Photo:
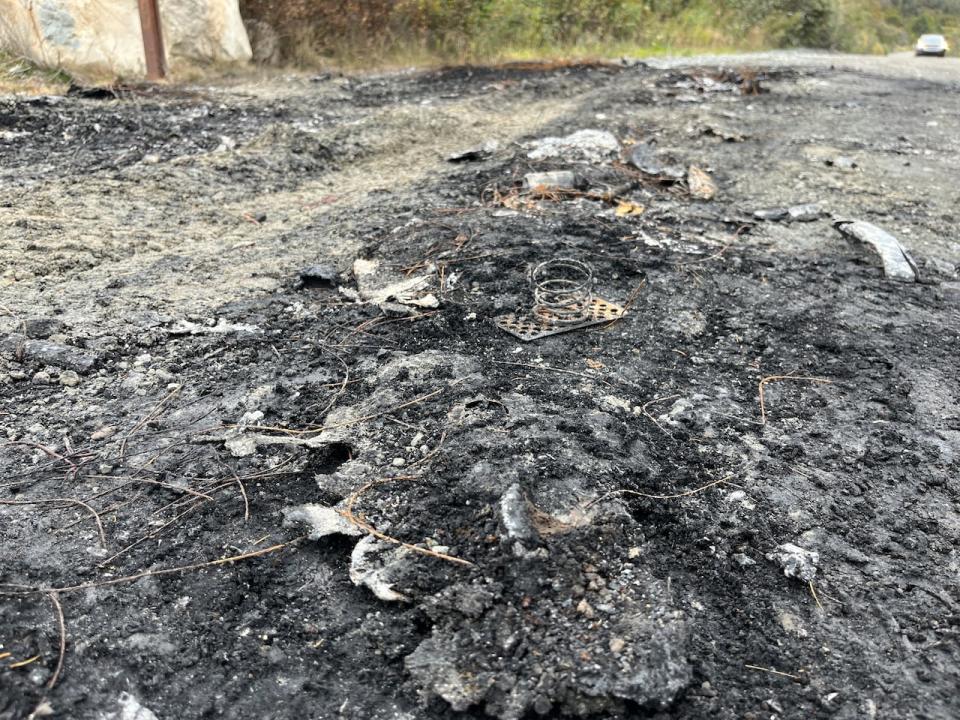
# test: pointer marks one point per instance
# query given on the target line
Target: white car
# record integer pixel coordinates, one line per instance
(932, 45)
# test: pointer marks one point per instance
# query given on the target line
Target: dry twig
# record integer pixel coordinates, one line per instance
(631, 299)
(774, 672)
(354, 519)
(68, 501)
(774, 378)
(147, 418)
(74, 468)
(63, 639)
(150, 534)
(32, 589)
(553, 369)
(345, 423)
(635, 493)
(656, 400)
(24, 663)
(813, 591)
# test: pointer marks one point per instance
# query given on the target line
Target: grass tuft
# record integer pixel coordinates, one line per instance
(21, 76)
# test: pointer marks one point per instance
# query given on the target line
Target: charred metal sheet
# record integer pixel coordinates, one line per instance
(897, 263)
(543, 323)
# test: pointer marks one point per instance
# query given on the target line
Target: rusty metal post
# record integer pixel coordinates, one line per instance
(152, 40)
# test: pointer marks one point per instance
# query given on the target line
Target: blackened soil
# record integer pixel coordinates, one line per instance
(768, 385)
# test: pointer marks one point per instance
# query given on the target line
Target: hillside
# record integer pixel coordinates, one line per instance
(364, 32)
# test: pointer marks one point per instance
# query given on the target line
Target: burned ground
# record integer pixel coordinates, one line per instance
(169, 363)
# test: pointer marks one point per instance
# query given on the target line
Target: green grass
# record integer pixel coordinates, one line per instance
(380, 33)
(22, 76)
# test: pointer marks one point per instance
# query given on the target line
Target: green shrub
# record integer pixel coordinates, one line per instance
(369, 32)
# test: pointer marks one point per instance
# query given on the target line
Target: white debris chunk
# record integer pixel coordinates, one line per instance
(795, 561)
(371, 562)
(321, 519)
(243, 444)
(129, 708)
(515, 514)
(897, 264)
(378, 286)
(185, 327)
(591, 145)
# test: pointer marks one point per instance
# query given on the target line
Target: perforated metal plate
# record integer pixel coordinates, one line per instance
(533, 326)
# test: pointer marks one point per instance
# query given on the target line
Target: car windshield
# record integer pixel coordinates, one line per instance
(931, 38)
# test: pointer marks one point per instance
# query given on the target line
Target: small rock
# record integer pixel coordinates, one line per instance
(162, 375)
(241, 445)
(617, 644)
(69, 378)
(743, 560)
(43, 327)
(771, 214)
(399, 462)
(643, 157)
(797, 213)
(130, 708)
(321, 519)
(42, 378)
(791, 624)
(842, 162)
(805, 213)
(725, 134)
(943, 267)
(322, 275)
(591, 145)
(48, 353)
(39, 675)
(612, 403)
(795, 561)
(478, 152)
(585, 609)
(515, 515)
(774, 706)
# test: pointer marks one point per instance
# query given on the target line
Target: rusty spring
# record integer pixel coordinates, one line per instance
(562, 290)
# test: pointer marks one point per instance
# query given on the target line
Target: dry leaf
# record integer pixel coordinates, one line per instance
(594, 364)
(700, 183)
(625, 207)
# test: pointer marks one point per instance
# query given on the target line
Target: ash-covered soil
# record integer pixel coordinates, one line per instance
(238, 482)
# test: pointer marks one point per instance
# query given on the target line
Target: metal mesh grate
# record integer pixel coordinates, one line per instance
(543, 322)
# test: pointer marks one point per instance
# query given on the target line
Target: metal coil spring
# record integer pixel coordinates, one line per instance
(562, 290)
